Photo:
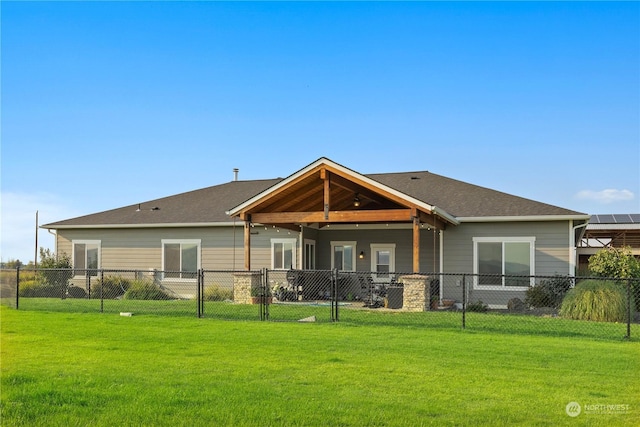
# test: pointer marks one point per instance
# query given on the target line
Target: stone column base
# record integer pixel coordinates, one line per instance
(416, 294)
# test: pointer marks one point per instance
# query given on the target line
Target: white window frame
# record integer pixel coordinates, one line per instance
(197, 242)
(391, 247)
(307, 244)
(353, 254)
(97, 243)
(531, 240)
(294, 252)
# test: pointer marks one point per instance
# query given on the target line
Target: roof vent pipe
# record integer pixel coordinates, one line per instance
(235, 173)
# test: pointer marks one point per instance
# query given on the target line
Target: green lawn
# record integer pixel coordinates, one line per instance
(83, 369)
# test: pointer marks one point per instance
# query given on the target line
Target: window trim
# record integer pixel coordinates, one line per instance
(531, 240)
(309, 243)
(197, 242)
(294, 255)
(85, 242)
(392, 261)
(353, 254)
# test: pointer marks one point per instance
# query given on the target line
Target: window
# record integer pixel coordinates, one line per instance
(499, 262)
(86, 257)
(283, 254)
(344, 256)
(180, 258)
(383, 260)
(309, 254)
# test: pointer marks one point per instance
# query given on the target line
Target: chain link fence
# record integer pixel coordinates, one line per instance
(551, 305)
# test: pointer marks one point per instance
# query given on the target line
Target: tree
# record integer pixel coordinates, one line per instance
(49, 259)
(617, 263)
(55, 272)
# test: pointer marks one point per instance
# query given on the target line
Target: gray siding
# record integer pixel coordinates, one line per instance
(141, 249)
(364, 238)
(552, 240)
(552, 255)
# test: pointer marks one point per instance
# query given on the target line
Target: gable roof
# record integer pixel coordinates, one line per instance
(206, 206)
(469, 202)
(453, 200)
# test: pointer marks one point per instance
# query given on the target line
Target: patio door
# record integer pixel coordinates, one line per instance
(383, 261)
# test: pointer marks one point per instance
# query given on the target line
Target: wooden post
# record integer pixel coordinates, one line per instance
(247, 243)
(327, 193)
(416, 244)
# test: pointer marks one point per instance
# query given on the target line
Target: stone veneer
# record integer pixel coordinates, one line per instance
(416, 292)
(243, 282)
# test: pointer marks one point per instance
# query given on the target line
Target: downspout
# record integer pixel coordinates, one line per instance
(55, 240)
(573, 261)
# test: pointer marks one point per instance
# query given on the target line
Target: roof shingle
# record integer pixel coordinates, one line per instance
(209, 205)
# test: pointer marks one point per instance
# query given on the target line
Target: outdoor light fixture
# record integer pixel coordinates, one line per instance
(361, 256)
(356, 201)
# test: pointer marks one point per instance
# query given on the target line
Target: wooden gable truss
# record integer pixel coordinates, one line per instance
(326, 193)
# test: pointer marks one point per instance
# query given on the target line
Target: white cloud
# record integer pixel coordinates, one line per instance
(606, 196)
(18, 223)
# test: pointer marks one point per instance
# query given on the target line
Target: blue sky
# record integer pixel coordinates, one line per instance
(107, 104)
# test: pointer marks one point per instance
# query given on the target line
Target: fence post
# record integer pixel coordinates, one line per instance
(334, 298)
(198, 294)
(264, 291)
(17, 287)
(101, 291)
(464, 301)
(202, 294)
(628, 309)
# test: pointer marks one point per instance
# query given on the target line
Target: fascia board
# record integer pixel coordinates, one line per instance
(524, 218)
(348, 172)
(159, 225)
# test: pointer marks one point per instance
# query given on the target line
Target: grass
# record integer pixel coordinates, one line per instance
(491, 322)
(91, 369)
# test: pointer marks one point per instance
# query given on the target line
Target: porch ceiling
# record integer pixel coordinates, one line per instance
(326, 195)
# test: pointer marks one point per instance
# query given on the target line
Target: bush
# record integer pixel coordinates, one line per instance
(76, 292)
(54, 273)
(145, 290)
(39, 288)
(617, 263)
(478, 307)
(217, 293)
(548, 293)
(597, 300)
(112, 287)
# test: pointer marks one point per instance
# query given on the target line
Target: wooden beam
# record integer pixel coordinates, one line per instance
(432, 220)
(327, 193)
(416, 244)
(247, 245)
(386, 215)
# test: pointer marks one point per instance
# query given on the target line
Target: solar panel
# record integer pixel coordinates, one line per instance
(615, 219)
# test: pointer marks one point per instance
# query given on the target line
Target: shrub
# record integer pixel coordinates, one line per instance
(31, 288)
(55, 271)
(217, 293)
(478, 307)
(548, 293)
(597, 300)
(110, 287)
(76, 292)
(617, 263)
(145, 290)
(40, 288)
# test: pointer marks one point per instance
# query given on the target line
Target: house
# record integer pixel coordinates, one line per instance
(327, 216)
